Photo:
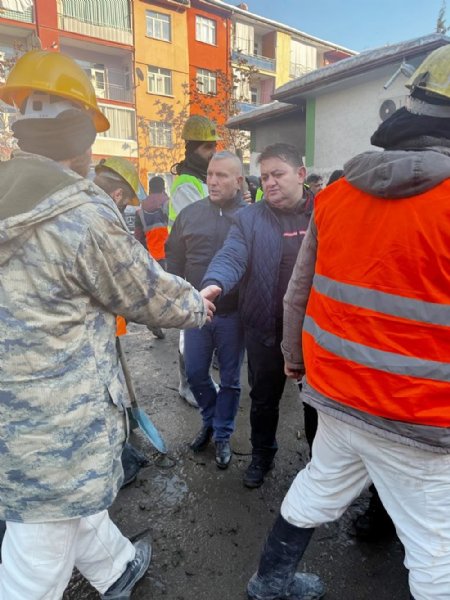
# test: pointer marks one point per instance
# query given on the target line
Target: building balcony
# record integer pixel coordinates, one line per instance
(110, 83)
(120, 139)
(260, 62)
(297, 70)
(26, 16)
(103, 19)
(244, 107)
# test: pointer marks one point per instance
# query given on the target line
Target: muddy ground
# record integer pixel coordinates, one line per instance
(207, 528)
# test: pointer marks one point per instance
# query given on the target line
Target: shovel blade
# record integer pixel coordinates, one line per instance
(146, 425)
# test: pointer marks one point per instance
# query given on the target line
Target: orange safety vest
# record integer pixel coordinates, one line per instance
(155, 239)
(376, 335)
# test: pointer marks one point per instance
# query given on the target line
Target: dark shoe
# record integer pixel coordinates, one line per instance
(375, 524)
(159, 333)
(122, 588)
(257, 469)
(276, 576)
(223, 454)
(202, 439)
(132, 461)
(304, 586)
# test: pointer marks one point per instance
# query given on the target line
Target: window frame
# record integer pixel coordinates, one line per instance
(154, 16)
(164, 77)
(202, 24)
(209, 76)
(164, 128)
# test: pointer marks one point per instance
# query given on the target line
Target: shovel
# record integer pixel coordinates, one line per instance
(137, 413)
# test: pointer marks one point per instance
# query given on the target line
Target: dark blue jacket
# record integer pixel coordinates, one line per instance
(198, 233)
(252, 255)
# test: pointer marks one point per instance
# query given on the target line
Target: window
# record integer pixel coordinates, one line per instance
(206, 81)
(97, 75)
(303, 58)
(122, 120)
(160, 134)
(244, 38)
(159, 81)
(205, 30)
(158, 25)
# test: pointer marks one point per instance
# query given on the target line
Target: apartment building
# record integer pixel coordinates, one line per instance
(153, 63)
(273, 54)
(162, 83)
(98, 34)
(209, 37)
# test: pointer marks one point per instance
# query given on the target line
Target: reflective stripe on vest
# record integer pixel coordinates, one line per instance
(376, 335)
(180, 180)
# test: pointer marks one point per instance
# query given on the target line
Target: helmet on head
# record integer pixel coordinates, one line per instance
(58, 77)
(200, 129)
(430, 84)
(116, 167)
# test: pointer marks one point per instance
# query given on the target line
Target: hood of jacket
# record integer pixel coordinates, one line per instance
(34, 189)
(398, 173)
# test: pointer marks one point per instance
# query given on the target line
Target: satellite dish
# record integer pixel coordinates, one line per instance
(386, 109)
(140, 74)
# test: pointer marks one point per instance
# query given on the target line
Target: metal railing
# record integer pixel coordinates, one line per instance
(104, 19)
(242, 50)
(116, 86)
(26, 16)
(297, 70)
(244, 107)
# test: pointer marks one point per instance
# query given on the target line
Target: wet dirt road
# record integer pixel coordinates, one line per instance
(207, 529)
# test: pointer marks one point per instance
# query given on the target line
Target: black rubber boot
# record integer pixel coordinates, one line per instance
(375, 524)
(276, 578)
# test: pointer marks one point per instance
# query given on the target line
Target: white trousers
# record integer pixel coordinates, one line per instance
(413, 484)
(38, 559)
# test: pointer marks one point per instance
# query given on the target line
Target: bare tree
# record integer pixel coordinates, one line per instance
(7, 113)
(441, 26)
(218, 106)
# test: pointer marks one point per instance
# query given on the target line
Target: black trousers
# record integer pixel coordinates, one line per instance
(266, 379)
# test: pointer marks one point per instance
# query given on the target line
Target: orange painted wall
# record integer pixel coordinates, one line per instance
(171, 55)
(207, 56)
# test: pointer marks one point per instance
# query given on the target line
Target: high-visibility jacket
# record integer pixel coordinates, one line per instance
(180, 180)
(377, 327)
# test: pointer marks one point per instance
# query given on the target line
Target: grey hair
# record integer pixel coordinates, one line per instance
(223, 154)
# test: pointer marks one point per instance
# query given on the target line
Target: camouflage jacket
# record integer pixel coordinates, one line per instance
(68, 265)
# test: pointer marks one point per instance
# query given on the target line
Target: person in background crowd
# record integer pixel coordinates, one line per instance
(366, 323)
(69, 265)
(151, 226)
(201, 137)
(335, 175)
(198, 233)
(152, 220)
(259, 255)
(254, 184)
(315, 183)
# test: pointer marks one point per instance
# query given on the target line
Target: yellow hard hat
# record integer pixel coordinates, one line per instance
(200, 129)
(432, 77)
(56, 74)
(127, 171)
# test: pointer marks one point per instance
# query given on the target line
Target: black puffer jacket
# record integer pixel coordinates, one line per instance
(198, 233)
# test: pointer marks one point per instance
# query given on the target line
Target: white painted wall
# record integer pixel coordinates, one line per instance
(347, 117)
